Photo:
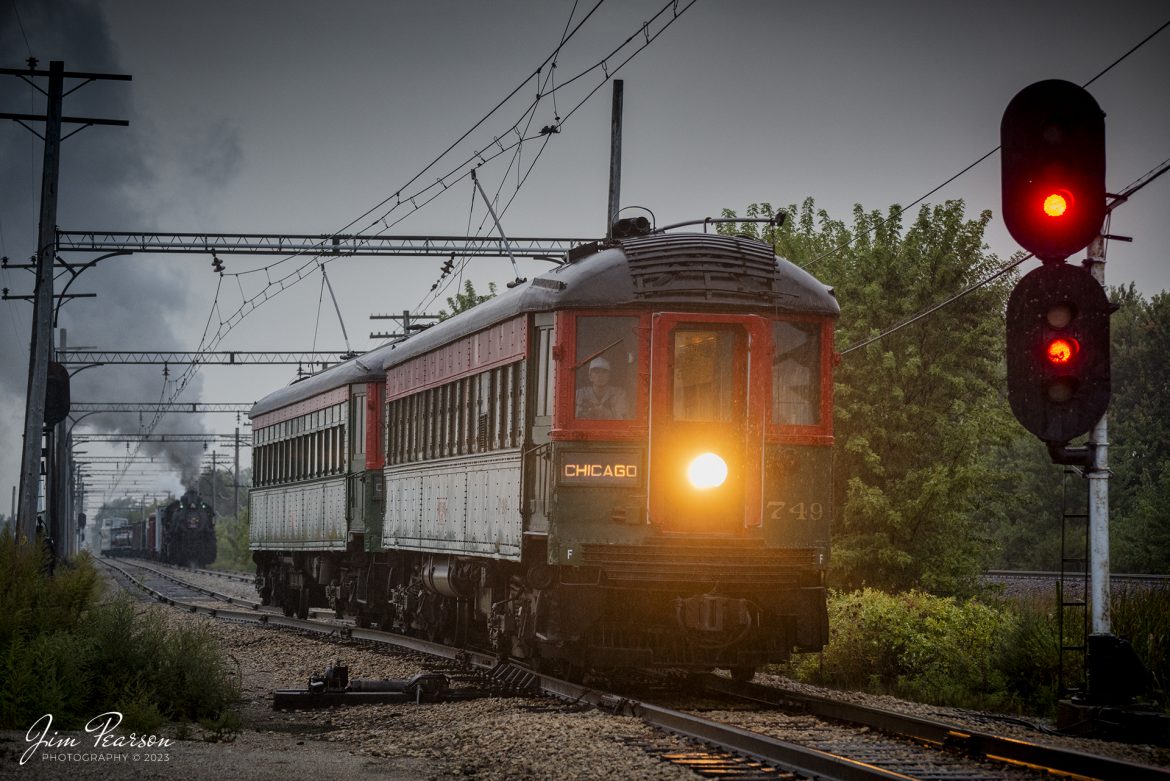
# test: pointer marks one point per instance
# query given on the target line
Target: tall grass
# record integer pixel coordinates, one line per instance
(1143, 617)
(63, 652)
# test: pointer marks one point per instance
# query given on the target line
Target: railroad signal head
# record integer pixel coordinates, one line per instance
(1058, 352)
(1052, 140)
(56, 394)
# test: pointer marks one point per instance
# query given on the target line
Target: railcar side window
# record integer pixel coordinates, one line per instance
(796, 374)
(606, 368)
(705, 374)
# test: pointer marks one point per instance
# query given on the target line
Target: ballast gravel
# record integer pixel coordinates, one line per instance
(512, 738)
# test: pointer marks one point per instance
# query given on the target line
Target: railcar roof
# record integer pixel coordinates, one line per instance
(696, 270)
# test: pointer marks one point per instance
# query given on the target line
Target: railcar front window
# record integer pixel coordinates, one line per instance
(605, 367)
(796, 374)
(704, 374)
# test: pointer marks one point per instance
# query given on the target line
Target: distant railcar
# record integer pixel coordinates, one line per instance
(117, 538)
(624, 462)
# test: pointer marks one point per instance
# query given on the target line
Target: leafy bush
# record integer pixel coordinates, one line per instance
(1003, 655)
(915, 645)
(63, 653)
(1031, 660)
(231, 541)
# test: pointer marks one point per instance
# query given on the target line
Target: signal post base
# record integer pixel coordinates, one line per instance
(1126, 723)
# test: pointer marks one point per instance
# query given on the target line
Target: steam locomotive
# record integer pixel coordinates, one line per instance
(623, 462)
(181, 533)
(188, 532)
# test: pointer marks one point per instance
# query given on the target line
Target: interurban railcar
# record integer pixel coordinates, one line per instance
(624, 462)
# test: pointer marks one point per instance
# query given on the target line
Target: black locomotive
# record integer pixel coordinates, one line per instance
(188, 532)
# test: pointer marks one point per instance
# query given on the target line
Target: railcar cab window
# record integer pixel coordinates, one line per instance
(796, 374)
(605, 368)
(705, 374)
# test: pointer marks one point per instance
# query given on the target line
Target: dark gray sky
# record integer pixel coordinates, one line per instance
(298, 117)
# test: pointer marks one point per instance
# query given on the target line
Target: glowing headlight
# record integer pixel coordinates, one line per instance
(707, 471)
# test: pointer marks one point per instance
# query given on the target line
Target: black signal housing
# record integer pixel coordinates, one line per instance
(1052, 139)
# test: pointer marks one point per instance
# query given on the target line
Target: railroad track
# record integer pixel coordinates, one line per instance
(907, 748)
(1115, 578)
(239, 577)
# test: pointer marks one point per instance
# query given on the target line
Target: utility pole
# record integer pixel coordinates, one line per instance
(615, 156)
(410, 324)
(213, 470)
(38, 362)
(41, 345)
(59, 511)
(236, 480)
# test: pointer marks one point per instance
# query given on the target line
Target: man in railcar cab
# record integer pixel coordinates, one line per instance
(600, 400)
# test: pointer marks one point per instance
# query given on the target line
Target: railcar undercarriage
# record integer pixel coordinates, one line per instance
(561, 620)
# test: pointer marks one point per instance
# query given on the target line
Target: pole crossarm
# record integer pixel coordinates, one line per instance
(214, 358)
(551, 249)
(179, 406)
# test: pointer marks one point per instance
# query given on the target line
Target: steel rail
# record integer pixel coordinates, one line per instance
(971, 742)
(811, 763)
(1121, 577)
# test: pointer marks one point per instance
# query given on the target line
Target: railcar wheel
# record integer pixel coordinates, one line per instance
(303, 603)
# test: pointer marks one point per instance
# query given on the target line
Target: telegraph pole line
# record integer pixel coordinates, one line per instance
(410, 323)
(41, 345)
(38, 369)
(236, 476)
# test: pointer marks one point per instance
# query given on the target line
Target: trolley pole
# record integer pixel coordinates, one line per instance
(615, 156)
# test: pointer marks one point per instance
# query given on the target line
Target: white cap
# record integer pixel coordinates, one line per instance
(599, 363)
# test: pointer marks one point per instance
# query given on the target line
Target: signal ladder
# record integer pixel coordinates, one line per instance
(1072, 591)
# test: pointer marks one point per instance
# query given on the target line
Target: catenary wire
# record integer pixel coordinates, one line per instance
(266, 294)
(901, 210)
(1124, 196)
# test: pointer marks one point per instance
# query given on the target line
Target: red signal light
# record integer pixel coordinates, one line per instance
(1062, 350)
(1053, 169)
(1058, 351)
(1056, 204)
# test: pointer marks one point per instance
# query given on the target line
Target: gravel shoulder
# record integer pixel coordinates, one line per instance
(512, 738)
(517, 738)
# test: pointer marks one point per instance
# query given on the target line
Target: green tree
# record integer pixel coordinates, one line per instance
(917, 412)
(1139, 432)
(461, 302)
(220, 491)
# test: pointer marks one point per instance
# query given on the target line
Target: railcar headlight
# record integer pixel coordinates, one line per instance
(707, 471)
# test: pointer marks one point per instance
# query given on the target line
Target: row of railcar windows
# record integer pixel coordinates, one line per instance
(304, 457)
(474, 414)
(302, 448)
